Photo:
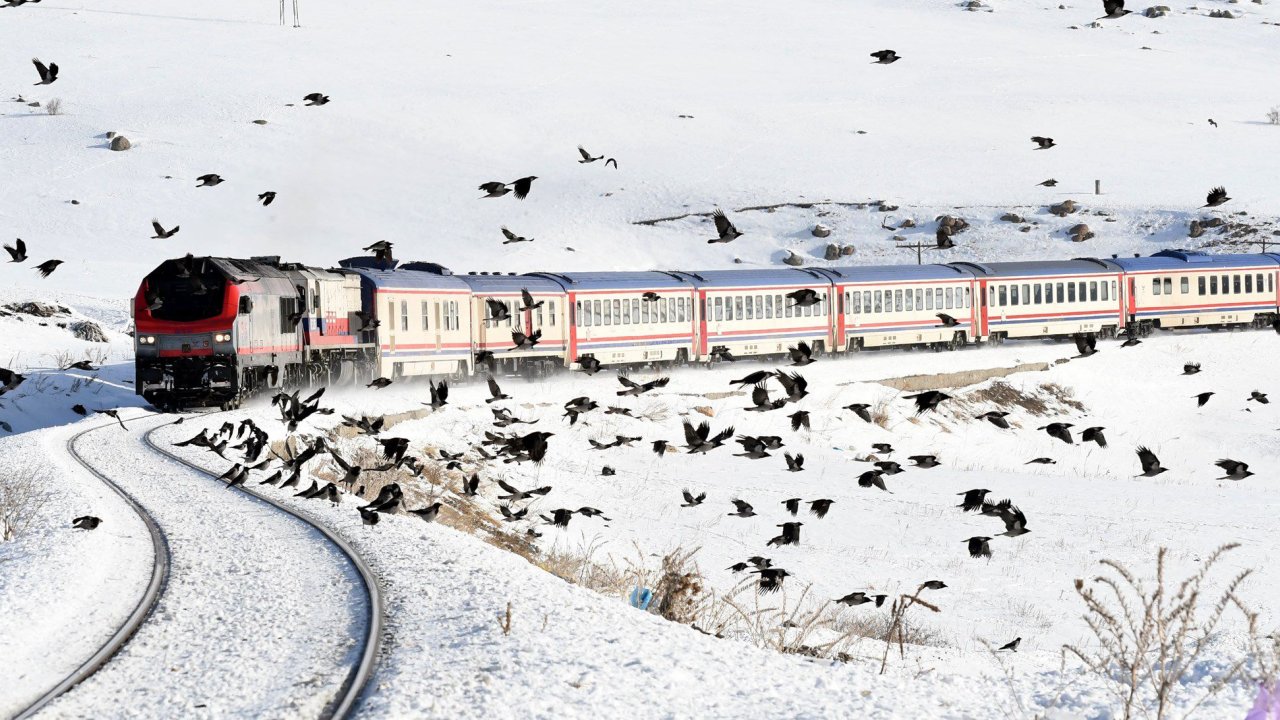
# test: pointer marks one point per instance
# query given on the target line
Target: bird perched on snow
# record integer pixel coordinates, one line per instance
(17, 251)
(512, 237)
(1086, 345)
(978, 547)
(885, 57)
(1059, 430)
(725, 231)
(47, 267)
(1094, 434)
(209, 180)
(267, 197)
(1234, 469)
(112, 414)
(369, 517)
(1011, 646)
(995, 417)
(315, 98)
(1216, 197)
(1150, 463)
(48, 74)
(1044, 142)
(1113, 9)
(86, 522)
(928, 400)
(161, 233)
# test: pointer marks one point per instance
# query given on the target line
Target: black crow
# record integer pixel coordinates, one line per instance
(978, 547)
(872, 478)
(882, 448)
(498, 310)
(933, 585)
(854, 599)
(790, 535)
(381, 250)
(1114, 9)
(86, 522)
(753, 447)
(725, 230)
(514, 495)
(792, 505)
(1044, 142)
(795, 385)
(700, 440)
(1216, 197)
(1041, 461)
(1234, 469)
(820, 507)
(885, 57)
(860, 409)
(379, 383)
(924, 461)
(522, 186)
(650, 296)
(512, 237)
(801, 354)
(1059, 430)
(1013, 646)
(1015, 523)
(47, 267)
(588, 364)
(722, 353)
(800, 419)
(520, 340)
(209, 180)
(795, 463)
(928, 400)
(592, 512)
(17, 251)
(744, 509)
(1086, 345)
(1150, 463)
(771, 579)
(1049, 183)
(760, 401)
(804, 297)
(494, 189)
(472, 486)
(754, 378)
(267, 197)
(315, 98)
(995, 417)
(1094, 434)
(48, 74)
(439, 393)
(691, 500)
(369, 517)
(509, 516)
(660, 447)
(80, 410)
(111, 414)
(560, 517)
(1203, 398)
(973, 499)
(81, 365)
(1190, 368)
(947, 320)
(495, 392)
(1261, 397)
(888, 467)
(527, 302)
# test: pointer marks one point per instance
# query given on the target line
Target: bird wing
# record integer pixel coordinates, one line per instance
(1147, 458)
(40, 68)
(723, 435)
(660, 382)
(505, 486)
(627, 382)
(1013, 518)
(509, 235)
(723, 226)
(585, 155)
(760, 396)
(494, 390)
(788, 382)
(1229, 466)
(526, 297)
(804, 348)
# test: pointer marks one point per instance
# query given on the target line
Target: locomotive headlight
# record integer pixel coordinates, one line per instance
(147, 340)
(222, 337)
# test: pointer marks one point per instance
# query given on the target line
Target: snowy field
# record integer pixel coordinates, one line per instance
(704, 106)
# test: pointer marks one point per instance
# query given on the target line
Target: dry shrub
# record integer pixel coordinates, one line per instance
(54, 106)
(679, 589)
(1150, 637)
(880, 413)
(1046, 399)
(654, 411)
(22, 497)
(1273, 115)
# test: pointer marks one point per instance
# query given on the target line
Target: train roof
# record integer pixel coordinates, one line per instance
(755, 277)
(643, 280)
(1078, 266)
(891, 273)
(253, 268)
(499, 283)
(393, 275)
(1195, 260)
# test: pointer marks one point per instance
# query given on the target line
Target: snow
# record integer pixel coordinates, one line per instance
(427, 103)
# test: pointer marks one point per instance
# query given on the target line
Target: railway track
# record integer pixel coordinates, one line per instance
(354, 679)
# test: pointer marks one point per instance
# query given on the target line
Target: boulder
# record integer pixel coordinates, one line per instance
(1080, 233)
(38, 309)
(793, 259)
(1012, 217)
(847, 250)
(1064, 208)
(908, 223)
(1156, 11)
(952, 224)
(88, 330)
(1225, 14)
(1196, 229)
(821, 230)
(120, 143)
(832, 252)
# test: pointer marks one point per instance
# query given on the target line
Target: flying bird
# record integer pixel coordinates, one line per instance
(928, 400)
(527, 301)
(1044, 142)
(873, 478)
(820, 507)
(17, 251)
(800, 419)
(760, 401)
(882, 448)
(634, 388)
(1216, 197)
(805, 297)
(1059, 430)
(315, 98)
(995, 417)
(744, 509)
(209, 180)
(1015, 523)
(754, 378)
(1041, 461)
(947, 320)
(885, 57)
(512, 237)
(1203, 398)
(267, 197)
(1260, 397)
(1049, 183)
(801, 354)
(161, 233)
(924, 461)
(691, 500)
(795, 463)
(1086, 345)
(522, 186)
(1094, 434)
(47, 267)
(1190, 368)
(588, 364)
(725, 230)
(521, 340)
(494, 189)
(978, 547)
(495, 392)
(48, 74)
(379, 383)
(1234, 469)
(1150, 463)
(860, 409)
(973, 499)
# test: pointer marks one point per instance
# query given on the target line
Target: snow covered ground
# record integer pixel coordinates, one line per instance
(784, 107)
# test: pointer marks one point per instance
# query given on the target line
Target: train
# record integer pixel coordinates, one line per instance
(214, 330)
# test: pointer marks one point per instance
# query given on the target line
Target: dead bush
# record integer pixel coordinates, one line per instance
(1273, 115)
(54, 106)
(22, 498)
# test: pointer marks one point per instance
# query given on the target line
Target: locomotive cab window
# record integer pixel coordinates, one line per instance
(246, 306)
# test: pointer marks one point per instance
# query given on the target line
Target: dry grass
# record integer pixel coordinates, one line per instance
(22, 497)
(919, 383)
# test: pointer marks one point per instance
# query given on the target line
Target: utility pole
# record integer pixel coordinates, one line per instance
(296, 22)
(919, 248)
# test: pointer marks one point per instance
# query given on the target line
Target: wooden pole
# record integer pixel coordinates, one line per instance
(1097, 187)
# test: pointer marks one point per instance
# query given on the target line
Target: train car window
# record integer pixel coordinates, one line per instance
(866, 302)
(1184, 286)
(1226, 284)
(1039, 295)
(1259, 276)
(738, 313)
(1104, 288)
(911, 301)
(717, 309)
(576, 311)
(1235, 284)
(949, 294)
(1213, 284)
(897, 301)
(404, 316)
(426, 312)
(551, 313)
(1248, 283)
(616, 314)
(599, 312)
(1062, 297)
(315, 300)
(539, 318)
(768, 307)
(1271, 282)
(968, 301)
(855, 302)
(751, 309)
(1026, 294)
(759, 307)
(626, 312)
(644, 312)
(920, 296)
(685, 307)
(1200, 285)
(937, 299)
(879, 302)
(1003, 294)
(1168, 286)
(1071, 292)
(1013, 295)
(928, 298)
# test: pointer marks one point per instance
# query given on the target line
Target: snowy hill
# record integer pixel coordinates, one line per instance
(428, 102)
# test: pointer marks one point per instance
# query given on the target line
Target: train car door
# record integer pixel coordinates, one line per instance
(699, 302)
(390, 324)
(983, 328)
(1131, 287)
(435, 325)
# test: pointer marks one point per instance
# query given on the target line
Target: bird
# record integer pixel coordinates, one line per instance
(1234, 469)
(1049, 183)
(1203, 398)
(1015, 523)
(995, 417)
(1211, 122)
(520, 340)
(800, 419)
(1131, 341)
(315, 98)
(429, 512)
(882, 448)
(771, 579)
(209, 180)
(80, 410)
(700, 440)
(873, 478)
(235, 475)
(885, 57)
(634, 388)
(725, 230)
(1190, 368)
(801, 354)
(820, 507)
(512, 237)
(795, 463)
(947, 320)
(111, 414)
(760, 401)
(972, 501)
(498, 310)
(1150, 463)
(1086, 345)
(795, 385)
(1094, 434)
(691, 500)
(720, 352)
(1260, 397)
(1216, 197)
(379, 383)
(1044, 142)
(496, 392)
(754, 378)
(1114, 9)
(888, 467)
(1041, 461)
(494, 189)
(924, 461)
(978, 547)
(509, 516)
(804, 297)
(860, 409)
(790, 535)
(47, 267)
(754, 448)
(522, 186)
(1013, 646)
(81, 365)
(1059, 430)
(933, 585)
(439, 393)
(267, 197)
(928, 400)
(86, 522)
(161, 233)
(369, 517)
(48, 74)
(650, 296)
(588, 364)
(527, 301)
(660, 447)
(744, 509)
(17, 251)
(792, 505)
(854, 599)
(381, 250)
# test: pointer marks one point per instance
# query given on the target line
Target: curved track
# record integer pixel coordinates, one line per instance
(146, 603)
(354, 681)
(358, 678)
